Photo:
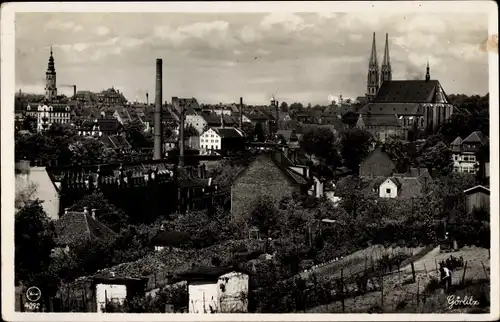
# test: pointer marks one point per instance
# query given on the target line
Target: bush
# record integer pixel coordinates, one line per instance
(433, 285)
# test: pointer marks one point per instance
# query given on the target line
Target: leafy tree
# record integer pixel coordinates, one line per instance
(25, 196)
(90, 255)
(356, 144)
(284, 107)
(90, 151)
(29, 124)
(33, 229)
(190, 130)
(106, 213)
(437, 157)
(134, 132)
(264, 215)
(321, 143)
(248, 129)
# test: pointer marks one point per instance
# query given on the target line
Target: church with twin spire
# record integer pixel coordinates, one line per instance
(401, 108)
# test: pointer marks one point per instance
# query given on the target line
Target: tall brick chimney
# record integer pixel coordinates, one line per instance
(277, 109)
(241, 113)
(147, 99)
(74, 90)
(157, 116)
(181, 133)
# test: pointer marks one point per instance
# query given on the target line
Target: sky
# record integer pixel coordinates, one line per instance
(218, 57)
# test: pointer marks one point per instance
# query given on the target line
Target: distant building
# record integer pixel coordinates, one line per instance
(47, 114)
(50, 80)
(396, 108)
(402, 187)
(477, 197)
(216, 290)
(100, 127)
(189, 105)
(382, 162)
(220, 139)
(267, 175)
(111, 96)
(465, 153)
(197, 121)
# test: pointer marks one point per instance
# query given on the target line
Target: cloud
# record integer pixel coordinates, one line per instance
(249, 34)
(63, 26)
(102, 30)
(289, 21)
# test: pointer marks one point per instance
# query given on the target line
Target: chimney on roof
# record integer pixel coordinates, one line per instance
(241, 112)
(93, 213)
(158, 110)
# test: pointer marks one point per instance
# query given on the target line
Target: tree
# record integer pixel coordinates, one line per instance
(321, 143)
(106, 213)
(437, 157)
(356, 144)
(134, 132)
(90, 151)
(25, 196)
(33, 231)
(264, 215)
(284, 107)
(190, 130)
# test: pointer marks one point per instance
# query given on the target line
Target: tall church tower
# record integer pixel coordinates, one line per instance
(428, 73)
(50, 79)
(373, 74)
(386, 72)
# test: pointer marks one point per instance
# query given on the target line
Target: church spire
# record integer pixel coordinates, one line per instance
(50, 79)
(386, 63)
(373, 74)
(373, 57)
(428, 72)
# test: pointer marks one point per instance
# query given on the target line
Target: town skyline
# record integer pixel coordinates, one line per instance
(216, 58)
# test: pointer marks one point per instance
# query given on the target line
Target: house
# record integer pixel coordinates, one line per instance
(122, 115)
(214, 120)
(37, 182)
(216, 290)
(47, 114)
(116, 142)
(466, 153)
(411, 184)
(477, 197)
(74, 226)
(116, 290)
(222, 139)
(304, 117)
(382, 127)
(383, 162)
(189, 105)
(197, 121)
(269, 174)
(100, 127)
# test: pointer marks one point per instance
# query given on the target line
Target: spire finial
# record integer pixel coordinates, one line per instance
(373, 57)
(50, 50)
(428, 72)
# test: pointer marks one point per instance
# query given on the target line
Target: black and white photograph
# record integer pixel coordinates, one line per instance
(252, 158)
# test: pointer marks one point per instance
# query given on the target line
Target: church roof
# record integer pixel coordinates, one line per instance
(380, 120)
(391, 108)
(409, 91)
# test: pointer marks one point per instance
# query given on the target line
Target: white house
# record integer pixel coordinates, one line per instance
(210, 140)
(116, 290)
(465, 152)
(213, 138)
(389, 188)
(46, 115)
(217, 290)
(197, 121)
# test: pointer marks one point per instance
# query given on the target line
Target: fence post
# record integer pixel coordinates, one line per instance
(463, 276)
(342, 289)
(435, 261)
(413, 271)
(425, 268)
(484, 269)
(382, 291)
(418, 291)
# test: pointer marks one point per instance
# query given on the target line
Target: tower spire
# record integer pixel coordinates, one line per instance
(373, 74)
(373, 57)
(50, 79)
(386, 74)
(428, 72)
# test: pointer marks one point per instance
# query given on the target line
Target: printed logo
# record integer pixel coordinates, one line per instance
(33, 294)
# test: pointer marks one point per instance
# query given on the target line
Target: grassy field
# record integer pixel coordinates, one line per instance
(400, 293)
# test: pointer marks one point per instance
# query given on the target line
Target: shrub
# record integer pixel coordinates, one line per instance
(433, 285)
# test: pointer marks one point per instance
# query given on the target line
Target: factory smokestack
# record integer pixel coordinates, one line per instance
(74, 90)
(147, 99)
(277, 110)
(157, 120)
(241, 113)
(181, 133)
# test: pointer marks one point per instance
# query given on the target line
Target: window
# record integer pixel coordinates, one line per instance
(388, 190)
